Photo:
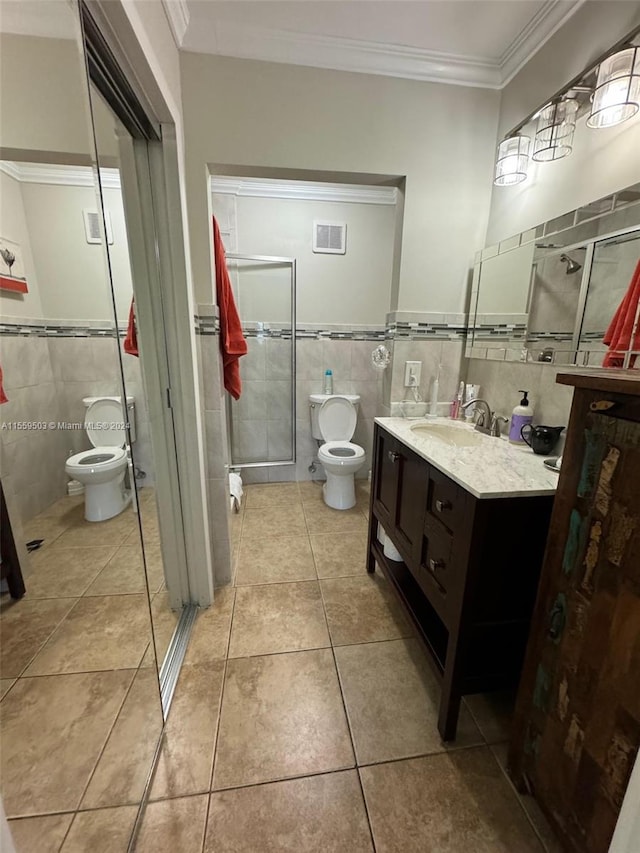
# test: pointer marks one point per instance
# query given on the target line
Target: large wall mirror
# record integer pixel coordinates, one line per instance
(549, 294)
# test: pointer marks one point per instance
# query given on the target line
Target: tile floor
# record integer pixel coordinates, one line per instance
(304, 718)
(305, 715)
(80, 713)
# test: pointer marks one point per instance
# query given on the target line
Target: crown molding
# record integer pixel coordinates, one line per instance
(344, 54)
(367, 57)
(67, 176)
(177, 13)
(304, 190)
(544, 24)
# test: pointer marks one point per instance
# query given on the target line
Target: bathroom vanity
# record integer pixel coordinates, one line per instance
(469, 516)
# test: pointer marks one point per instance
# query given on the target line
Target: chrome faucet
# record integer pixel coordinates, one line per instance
(487, 422)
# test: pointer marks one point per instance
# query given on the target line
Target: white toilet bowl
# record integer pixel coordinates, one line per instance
(333, 420)
(102, 469)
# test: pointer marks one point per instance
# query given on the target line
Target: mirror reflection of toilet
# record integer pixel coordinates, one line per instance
(101, 470)
(333, 421)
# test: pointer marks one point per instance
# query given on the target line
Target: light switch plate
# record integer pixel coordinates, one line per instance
(412, 369)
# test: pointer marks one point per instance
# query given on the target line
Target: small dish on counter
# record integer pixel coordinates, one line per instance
(554, 463)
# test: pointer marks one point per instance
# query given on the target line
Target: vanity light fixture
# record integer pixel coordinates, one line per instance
(554, 132)
(512, 161)
(617, 94)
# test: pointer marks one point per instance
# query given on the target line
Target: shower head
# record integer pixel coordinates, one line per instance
(572, 266)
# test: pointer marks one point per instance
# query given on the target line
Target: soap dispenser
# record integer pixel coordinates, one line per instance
(521, 416)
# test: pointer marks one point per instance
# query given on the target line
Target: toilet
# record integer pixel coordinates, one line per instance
(102, 469)
(333, 421)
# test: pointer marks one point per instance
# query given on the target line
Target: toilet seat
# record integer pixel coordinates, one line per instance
(105, 458)
(340, 452)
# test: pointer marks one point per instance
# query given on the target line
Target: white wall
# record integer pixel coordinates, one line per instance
(13, 226)
(264, 115)
(71, 272)
(354, 288)
(602, 161)
(48, 75)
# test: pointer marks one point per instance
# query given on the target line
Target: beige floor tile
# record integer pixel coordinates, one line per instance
(310, 491)
(210, 635)
(339, 555)
(103, 831)
(65, 572)
(273, 521)
(282, 716)
(323, 519)
(40, 834)
(53, 730)
(275, 559)
(314, 815)
(173, 826)
(547, 836)
(271, 494)
(69, 508)
(363, 610)
(123, 574)
(186, 758)
(392, 702)
(25, 626)
(493, 713)
(48, 529)
(281, 617)
(102, 632)
(164, 621)
(124, 766)
(5, 685)
(89, 534)
(447, 803)
(154, 567)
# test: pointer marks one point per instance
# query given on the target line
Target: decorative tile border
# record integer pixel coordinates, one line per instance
(206, 324)
(495, 331)
(46, 329)
(406, 331)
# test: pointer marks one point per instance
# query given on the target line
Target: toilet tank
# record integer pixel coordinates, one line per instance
(315, 404)
(131, 410)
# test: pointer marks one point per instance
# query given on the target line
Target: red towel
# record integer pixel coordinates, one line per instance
(3, 396)
(618, 335)
(232, 342)
(131, 338)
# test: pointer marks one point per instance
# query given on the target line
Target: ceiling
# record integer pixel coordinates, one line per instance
(468, 42)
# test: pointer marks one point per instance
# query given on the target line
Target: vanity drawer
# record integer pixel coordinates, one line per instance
(445, 501)
(436, 574)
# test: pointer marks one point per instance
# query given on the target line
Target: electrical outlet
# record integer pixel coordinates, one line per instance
(412, 373)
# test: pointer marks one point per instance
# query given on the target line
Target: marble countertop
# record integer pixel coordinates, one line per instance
(494, 468)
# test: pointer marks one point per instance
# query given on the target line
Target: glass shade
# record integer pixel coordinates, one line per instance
(554, 134)
(617, 94)
(512, 161)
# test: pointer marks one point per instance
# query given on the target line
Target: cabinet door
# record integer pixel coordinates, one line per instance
(385, 485)
(413, 481)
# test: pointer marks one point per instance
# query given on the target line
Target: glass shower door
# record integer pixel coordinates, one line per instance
(262, 422)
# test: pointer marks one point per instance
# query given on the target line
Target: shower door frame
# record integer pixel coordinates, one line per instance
(238, 256)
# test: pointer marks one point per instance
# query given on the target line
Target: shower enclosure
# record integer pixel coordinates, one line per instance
(262, 422)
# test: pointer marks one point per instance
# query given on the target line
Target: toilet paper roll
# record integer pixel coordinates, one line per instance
(390, 550)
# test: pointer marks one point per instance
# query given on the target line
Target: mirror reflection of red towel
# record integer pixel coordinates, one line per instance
(618, 335)
(232, 342)
(131, 338)
(3, 396)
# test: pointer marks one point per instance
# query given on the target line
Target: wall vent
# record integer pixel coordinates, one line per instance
(329, 237)
(92, 226)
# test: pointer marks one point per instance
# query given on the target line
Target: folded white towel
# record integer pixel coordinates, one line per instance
(235, 490)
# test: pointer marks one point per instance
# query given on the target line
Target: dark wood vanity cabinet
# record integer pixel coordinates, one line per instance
(469, 570)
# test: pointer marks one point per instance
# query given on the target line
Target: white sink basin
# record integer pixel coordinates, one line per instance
(453, 435)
